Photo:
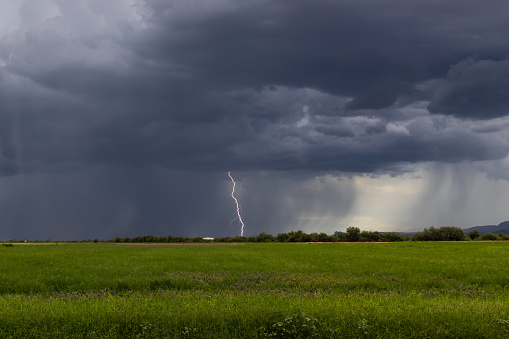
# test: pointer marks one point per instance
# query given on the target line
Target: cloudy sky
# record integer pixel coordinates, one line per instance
(123, 117)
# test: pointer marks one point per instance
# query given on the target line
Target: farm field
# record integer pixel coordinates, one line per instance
(356, 290)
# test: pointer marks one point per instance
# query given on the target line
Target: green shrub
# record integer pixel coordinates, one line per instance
(391, 237)
(444, 233)
(294, 326)
(474, 234)
(353, 234)
(264, 237)
(370, 236)
(505, 324)
(489, 236)
(503, 236)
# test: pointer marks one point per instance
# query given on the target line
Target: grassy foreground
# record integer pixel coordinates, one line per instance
(394, 290)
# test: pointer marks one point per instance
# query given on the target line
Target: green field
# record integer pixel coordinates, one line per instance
(375, 290)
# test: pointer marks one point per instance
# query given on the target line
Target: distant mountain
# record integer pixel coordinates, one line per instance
(503, 228)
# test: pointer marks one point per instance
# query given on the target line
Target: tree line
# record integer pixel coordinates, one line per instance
(352, 234)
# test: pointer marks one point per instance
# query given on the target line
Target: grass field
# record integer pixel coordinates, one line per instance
(392, 290)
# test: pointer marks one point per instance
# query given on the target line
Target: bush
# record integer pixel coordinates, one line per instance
(391, 237)
(503, 236)
(474, 234)
(370, 236)
(282, 237)
(353, 234)
(264, 237)
(324, 237)
(428, 234)
(450, 233)
(294, 326)
(489, 236)
(444, 233)
(339, 236)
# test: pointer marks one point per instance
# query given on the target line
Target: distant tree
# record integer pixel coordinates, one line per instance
(282, 237)
(451, 233)
(224, 239)
(178, 239)
(353, 234)
(264, 237)
(339, 236)
(391, 237)
(295, 236)
(370, 236)
(323, 237)
(304, 237)
(419, 236)
(489, 236)
(313, 237)
(432, 234)
(503, 236)
(445, 233)
(474, 234)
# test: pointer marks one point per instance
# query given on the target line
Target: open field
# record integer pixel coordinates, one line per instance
(412, 290)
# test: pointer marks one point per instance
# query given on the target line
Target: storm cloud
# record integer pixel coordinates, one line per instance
(163, 97)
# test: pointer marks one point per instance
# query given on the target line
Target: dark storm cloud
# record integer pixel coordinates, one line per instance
(225, 85)
(371, 51)
(152, 89)
(474, 88)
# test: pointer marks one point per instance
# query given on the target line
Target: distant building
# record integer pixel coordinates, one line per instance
(208, 238)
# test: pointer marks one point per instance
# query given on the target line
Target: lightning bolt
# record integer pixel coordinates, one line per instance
(238, 207)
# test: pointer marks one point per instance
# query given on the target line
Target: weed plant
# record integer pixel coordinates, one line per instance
(396, 290)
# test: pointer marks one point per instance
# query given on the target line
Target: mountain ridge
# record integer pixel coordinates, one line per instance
(503, 228)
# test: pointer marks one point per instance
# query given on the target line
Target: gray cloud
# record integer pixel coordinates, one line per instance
(171, 83)
(207, 87)
(474, 88)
